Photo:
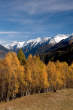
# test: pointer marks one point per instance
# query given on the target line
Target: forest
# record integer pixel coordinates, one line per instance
(20, 76)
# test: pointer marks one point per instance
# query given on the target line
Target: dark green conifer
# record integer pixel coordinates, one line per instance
(21, 57)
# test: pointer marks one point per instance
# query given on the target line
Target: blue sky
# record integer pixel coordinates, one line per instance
(29, 19)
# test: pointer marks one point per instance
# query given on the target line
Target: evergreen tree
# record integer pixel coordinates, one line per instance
(21, 57)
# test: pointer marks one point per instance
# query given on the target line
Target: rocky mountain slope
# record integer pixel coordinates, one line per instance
(35, 46)
(62, 51)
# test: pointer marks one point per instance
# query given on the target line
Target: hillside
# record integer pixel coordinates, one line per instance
(62, 100)
(62, 51)
(3, 51)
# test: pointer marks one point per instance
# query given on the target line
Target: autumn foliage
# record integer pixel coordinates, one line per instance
(20, 76)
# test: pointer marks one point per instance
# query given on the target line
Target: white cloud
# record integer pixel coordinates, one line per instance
(13, 32)
(16, 7)
(9, 32)
(22, 11)
(42, 6)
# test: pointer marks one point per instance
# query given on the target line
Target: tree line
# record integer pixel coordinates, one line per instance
(20, 76)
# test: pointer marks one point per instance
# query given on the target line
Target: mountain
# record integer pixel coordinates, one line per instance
(62, 51)
(54, 48)
(3, 51)
(35, 46)
(52, 42)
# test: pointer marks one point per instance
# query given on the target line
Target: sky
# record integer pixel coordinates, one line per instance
(28, 19)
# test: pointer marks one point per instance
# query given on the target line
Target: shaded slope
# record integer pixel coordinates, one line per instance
(3, 51)
(62, 51)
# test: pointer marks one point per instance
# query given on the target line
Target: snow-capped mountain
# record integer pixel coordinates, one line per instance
(33, 42)
(22, 44)
(34, 45)
(62, 51)
(58, 38)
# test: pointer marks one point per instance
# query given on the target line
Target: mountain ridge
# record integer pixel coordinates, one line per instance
(20, 44)
(36, 46)
(62, 51)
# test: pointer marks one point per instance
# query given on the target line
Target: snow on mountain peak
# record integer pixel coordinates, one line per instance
(15, 43)
(60, 37)
(33, 42)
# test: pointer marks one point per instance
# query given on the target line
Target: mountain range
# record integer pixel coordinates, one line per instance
(33, 46)
(47, 48)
